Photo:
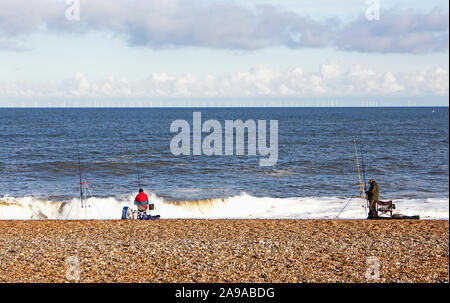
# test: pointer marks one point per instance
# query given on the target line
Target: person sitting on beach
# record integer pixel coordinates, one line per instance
(141, 201)
(372, 196)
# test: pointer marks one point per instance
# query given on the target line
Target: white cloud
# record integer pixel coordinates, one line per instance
(331, 80)
(434, 82)
(390, 84)
(330, 69)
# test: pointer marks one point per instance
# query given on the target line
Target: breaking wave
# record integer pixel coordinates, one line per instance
(242, 206)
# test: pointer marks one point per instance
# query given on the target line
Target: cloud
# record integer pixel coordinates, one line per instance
(12, 45)
(172, 23)
(227, 25)
(330, 70)
(330, 80)
(214, 24)
(397, 32)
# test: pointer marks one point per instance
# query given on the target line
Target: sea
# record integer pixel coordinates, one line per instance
(119, 150)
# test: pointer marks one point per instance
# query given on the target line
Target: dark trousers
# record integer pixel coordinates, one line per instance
(373, 208)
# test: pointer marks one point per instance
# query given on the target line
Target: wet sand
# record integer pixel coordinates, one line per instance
(225, 251)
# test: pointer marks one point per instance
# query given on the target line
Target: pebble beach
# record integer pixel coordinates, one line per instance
(183, 250)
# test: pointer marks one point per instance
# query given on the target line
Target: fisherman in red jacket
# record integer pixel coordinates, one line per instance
(141, 201)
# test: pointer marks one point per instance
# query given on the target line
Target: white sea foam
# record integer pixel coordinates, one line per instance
(242, 206)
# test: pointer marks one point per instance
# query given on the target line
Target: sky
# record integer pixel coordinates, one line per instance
(219, 53)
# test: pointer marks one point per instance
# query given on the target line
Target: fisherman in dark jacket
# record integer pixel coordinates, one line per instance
(372, 195)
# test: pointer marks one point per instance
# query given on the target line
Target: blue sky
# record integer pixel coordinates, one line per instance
(216, 50)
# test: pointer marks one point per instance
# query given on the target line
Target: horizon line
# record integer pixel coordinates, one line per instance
(132, 107)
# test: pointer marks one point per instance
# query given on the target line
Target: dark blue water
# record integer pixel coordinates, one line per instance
(404, 149)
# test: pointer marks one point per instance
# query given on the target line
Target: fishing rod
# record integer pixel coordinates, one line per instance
(80, 173)
(81, 181)
(351, 198)
(363, 167)
(137, 167)
(138, 175)
(84, 189)
(359, 176)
